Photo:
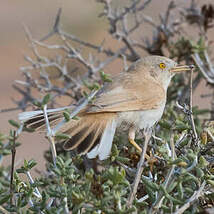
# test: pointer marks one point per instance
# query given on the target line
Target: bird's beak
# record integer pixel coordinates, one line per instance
(182, 68)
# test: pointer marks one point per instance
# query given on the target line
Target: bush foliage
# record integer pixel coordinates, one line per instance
(178, 177)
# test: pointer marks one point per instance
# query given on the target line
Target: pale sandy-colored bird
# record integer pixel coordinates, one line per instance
(135, 97)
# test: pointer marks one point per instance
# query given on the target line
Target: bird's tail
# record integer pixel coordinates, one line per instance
(35, 119)
(90, 133)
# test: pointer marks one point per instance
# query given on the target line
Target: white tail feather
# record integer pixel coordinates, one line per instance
(24, 116)
(103, 149)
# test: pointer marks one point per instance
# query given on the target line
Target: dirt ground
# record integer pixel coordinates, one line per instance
(80, 18)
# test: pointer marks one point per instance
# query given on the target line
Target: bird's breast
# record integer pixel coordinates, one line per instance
(140, 119)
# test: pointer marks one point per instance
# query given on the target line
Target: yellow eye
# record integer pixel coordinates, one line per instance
(162, 65)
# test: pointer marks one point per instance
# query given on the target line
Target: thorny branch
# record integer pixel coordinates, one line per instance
(167, 181)
(13, 151)
(207, 69)
(120, 28)
(190, 108)
(50, 135)
(57, 76)
(139, 170)
(190, 201)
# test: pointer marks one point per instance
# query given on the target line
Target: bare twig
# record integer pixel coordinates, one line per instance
(188, 111)
(13, 151)
(9, 109)
(139, 170)
(203, 68)
(33, 45)
(3, 210)
(50, 135)
(167, 181)
(191, 200)
(55, 27)
(207, 69)
(191, 114)
(37, 193)
(66, 209)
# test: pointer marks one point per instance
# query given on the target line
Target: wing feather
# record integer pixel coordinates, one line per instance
(130, 92)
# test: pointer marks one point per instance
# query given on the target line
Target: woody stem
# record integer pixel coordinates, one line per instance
(139, 169)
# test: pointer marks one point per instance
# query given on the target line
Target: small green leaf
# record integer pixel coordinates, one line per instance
(165, 124)
(105, 77)
(46, 99)
(203, 162)
(179, 162)
(85, 93)
(150, 184)
(25, 129)
(31, 163)
(66, 116)
(95, 86)
(37, 103)
(25, 163)
(180, 190)
(211, 182)
(2, 137)
(199, 172)
(181, 126)
(122, 159)
(61, 136)
(14, 123)
(4, 198)
(75, 118)
(197, 111)
(21, 170)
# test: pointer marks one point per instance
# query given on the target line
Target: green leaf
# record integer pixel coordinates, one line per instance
(150, 184)
(197, 111)
(211, 182)
(199, 172)
(61, 136)
(75, 118)
(105, 77)
(2, 137)
(66, 116)
(14, 123)
(165, 124)
(25, 163)
(122, 159)
(31, 163)
(203, 162)
(77, 198)
(4, 198)
(37, 103)
(25, 129)
(180, 190)
(179, 162)
(21, 170)
(6, 152)
(95, 86)
(46, 99)
(181, 126)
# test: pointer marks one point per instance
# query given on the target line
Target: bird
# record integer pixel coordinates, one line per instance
(134, 99)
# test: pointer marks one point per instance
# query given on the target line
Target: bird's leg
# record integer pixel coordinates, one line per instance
(147, 135)
(150, 158)
(132, 137)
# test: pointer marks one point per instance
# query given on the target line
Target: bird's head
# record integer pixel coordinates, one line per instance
(163, 68)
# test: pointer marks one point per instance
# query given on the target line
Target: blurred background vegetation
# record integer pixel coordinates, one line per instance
(85, 43)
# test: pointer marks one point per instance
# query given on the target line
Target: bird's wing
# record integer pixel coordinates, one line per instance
(129, 92)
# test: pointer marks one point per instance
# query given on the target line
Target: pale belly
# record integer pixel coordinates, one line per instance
(140, 119)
